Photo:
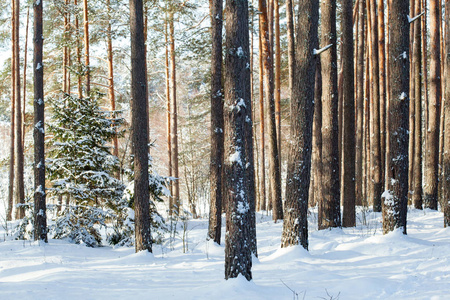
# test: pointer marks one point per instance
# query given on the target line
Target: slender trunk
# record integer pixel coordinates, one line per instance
(174, 118)
(432, 143)
(382, 65)
(329, 206)
(396, 197)
(40, 218)
(139, 129)
(317, 138)
(278, 80)
(360, 103)
(111, 93)
(169, 125)
(25, 79)
(18, 167)
(216, 163)
(417, 102)
(262, 205)
(86, 47)
(348, 128)
(446, 155)
(295, 225)
(78, 52)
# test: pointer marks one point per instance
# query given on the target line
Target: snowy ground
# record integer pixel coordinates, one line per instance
(355, 263)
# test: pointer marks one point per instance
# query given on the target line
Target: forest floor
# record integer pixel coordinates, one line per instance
(350, 263)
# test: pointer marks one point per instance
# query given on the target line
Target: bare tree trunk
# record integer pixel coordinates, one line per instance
(348, 128)
(111, 93)
(240, 241)
(86, 47)
(139, 128)
(295, 225)
(13, 108)
(274, 162)
(262, 205)
(216, 163)
(376, 189)
(432, 143)
(40, 216)
(396, 197)
(317, 138)
(360, 104)
(382, 65)
(417, 102)
(169, 125)
(174, 118)
(329, 206)
(25, 78)
(446, 154)
(78, 51)
(18, 167)
(278, 81)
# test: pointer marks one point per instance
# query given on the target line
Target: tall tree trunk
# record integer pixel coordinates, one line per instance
(78, 52)
(348, 128)
(18, 167)
(396, 197)
(382, 65)
(274, 162)
(24, 97)
(376, 189)
(295, 225)
(174, 117)
(417, 102)
(278, 81)
(329, 205)
(360, 103)
(13, 108)
(316, 167)
(240, 241)
(446, 155)
(86, 47)
(40, 217)
(169, 125)
(139, 127)
(111, 93)
(216, 163)
(262, 204)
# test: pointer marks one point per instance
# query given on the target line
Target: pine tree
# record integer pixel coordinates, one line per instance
(82, 167)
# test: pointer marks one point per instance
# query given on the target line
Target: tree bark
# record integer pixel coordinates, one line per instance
(86, 48)
(174, 118)
(40, 216)
(169, 125)
(360, 103)
(24, 97)
(382, 65)
(216, 163)
(432, 142)
(348, 128)
(262, 204)
(295, 225)
(316, 167)
(240, 241)
(139, 128)
(329, 205)
(18, 167)
(396, 197)
(446, 154)
(278, 82)
(78, 52)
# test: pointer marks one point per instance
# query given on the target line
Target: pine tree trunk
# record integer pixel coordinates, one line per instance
(216, 163)
(24, 97)
(78, 53)
(329, 205)
(417, 102)
(262, 204)
(274, 162)
(169, 126)
(446, 154)
(432, 142)
(278, 82)
(86, 48)
(360, 103)
(19, 191)
(382, 65)
(139, 128)
(316, 167)
(376, 188)
(13, 108)
(174, 118)
(348, 128)
(396, 197)
(240, 241)
(295, 225)
(40, 217)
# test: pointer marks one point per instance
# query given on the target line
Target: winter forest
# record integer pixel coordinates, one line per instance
(230, 149)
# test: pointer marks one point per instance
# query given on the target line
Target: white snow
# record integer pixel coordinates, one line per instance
(351, 263)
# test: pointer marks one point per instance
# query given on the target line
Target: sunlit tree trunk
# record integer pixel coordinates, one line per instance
(86, 47)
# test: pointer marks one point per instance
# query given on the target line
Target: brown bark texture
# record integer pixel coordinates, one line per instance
(295, 225)
(446, 154)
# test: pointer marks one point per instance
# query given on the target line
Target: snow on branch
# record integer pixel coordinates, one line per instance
(318, 52)
(415, 18)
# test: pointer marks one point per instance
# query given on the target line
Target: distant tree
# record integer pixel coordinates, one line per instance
(240, 241)
(295, 225)
(396, 196)
(40, 216)
(139, 127)
(216, 170)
